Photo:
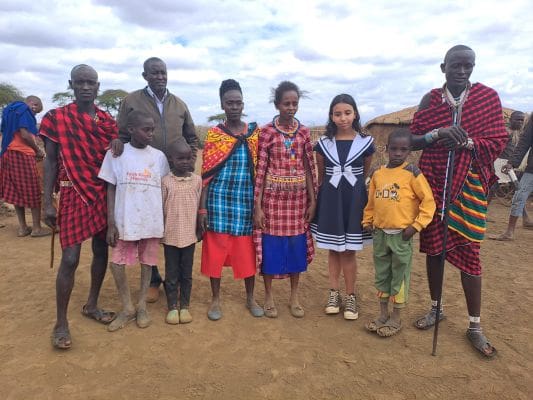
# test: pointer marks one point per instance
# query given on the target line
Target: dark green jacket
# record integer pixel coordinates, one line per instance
(176, 120)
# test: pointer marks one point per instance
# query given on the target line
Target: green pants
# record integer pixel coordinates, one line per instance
(392, 262)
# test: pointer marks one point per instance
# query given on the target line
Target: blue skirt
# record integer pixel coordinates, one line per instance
(284, 254)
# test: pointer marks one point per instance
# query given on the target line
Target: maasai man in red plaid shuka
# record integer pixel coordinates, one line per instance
(76, 139)
(467, 118)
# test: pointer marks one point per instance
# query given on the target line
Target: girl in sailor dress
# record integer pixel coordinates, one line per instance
(343, 157)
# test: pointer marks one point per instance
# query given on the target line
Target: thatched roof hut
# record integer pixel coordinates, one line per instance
(381, 126)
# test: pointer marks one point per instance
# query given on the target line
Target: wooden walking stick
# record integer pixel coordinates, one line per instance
(444, 218)
(54, 230)
(52, 248)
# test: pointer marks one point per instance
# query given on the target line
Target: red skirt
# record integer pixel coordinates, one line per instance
(223, 249)
(78, 221)
(19, 180)
(460, 252)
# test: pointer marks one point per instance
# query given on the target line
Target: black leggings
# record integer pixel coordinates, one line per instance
(178, 270)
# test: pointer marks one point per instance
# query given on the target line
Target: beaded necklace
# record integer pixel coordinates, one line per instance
(456, 102)
(289, 136)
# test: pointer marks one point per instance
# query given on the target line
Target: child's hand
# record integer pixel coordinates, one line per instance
(310, 212)
(112, 235)
(368, 228)
(408, 233)
(201, 225)
(259, 218)
(117, 147)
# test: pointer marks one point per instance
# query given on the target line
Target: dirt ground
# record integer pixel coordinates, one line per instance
(241, 357)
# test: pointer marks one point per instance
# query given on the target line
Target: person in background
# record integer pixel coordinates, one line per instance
(19, 178)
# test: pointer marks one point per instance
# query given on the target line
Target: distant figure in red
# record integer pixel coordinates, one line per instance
(19, 179)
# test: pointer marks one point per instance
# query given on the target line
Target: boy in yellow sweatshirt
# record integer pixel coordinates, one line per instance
(400, 204)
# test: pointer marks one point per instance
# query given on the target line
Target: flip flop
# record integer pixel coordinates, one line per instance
(375, 324)
(390, 328)
(99, 315)
(480, 342)
(297, 310)
(61, 340)
(428, 320)
(271, 311)
(143, 320)
(214, 313)
(23, 233)
(255, 310)
(41, 233)
(501, 238)
(122, 319)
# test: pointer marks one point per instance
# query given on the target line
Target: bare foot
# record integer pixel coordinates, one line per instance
(122, 319)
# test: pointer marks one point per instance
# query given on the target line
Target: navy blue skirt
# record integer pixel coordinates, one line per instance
(284, 254)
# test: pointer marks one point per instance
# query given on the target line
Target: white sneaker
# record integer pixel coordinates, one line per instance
(350, 307)
(333, 305)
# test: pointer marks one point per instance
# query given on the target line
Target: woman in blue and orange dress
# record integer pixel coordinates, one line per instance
(226, 205)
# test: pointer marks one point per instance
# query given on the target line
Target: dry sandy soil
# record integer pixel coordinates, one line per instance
(241, 357)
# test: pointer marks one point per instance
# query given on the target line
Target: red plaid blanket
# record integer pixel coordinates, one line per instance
(83, 141)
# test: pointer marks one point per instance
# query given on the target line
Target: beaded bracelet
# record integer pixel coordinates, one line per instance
(430, 137)
(202, 211)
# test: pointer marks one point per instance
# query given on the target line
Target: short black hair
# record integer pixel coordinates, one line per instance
(176, 146)
(455, 48)
(134, 116)
(400, 133)
(227, 85)
(81, 66)
(285, 86)
(517, 112)
(151, 60)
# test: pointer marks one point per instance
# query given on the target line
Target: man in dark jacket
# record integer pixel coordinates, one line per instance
(172, 120)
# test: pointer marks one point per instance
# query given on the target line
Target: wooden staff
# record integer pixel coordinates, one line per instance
(445, 210)
(52, 247)
(52, 240)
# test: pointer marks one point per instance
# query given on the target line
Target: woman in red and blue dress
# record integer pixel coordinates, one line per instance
(285, 197)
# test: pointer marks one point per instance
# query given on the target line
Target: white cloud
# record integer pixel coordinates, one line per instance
(386, 54)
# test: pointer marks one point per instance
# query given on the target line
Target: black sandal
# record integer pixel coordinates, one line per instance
(480, 342)
(428, 320)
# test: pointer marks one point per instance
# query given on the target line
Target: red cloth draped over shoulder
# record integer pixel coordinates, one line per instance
(220, 143)
(482, 119)
(83, 142)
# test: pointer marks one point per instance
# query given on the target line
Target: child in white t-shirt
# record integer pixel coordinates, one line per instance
(134, 213)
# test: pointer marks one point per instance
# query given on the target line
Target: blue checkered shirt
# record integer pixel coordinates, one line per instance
(230, 196)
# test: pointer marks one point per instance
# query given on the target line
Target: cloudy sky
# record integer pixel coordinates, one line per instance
(386, 54)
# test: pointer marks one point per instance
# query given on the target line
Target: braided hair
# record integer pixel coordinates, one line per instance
(227, 85)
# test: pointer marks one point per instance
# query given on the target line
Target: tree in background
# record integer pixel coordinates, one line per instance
(9, 94)
(219, 117)
(63, 98)
(110, 100)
